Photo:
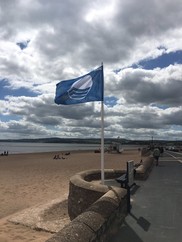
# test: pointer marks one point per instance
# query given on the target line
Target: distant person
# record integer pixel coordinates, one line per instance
(68, 153)
(56, 157)
(156, 154)
(161, 150)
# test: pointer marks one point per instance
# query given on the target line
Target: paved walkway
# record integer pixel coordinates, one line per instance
(156, 214)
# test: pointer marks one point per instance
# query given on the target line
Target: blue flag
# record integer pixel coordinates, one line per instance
(87, 88)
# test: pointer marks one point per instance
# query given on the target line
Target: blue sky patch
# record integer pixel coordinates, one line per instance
(160, 106)
(23, 45)
(162, 61)
(7, 118)
(110, 101)
(5, 90)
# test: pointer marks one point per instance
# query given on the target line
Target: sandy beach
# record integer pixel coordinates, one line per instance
(28, 180)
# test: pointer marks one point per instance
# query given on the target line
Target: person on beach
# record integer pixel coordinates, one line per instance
(56, 157)
(156, 154)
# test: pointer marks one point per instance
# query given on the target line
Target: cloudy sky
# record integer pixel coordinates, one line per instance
(43, 42)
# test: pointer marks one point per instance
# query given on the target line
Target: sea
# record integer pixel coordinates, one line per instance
(22, 147)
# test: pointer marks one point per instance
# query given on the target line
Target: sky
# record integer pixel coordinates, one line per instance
(139, 43)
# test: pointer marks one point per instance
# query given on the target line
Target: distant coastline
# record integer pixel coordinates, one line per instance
(93, 141)
(66, 140)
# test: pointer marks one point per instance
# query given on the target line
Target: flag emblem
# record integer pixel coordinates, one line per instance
(80, 88)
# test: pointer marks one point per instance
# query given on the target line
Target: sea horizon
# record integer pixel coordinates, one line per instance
(32, 147)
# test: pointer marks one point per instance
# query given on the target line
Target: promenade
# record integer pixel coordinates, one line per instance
(156, 213)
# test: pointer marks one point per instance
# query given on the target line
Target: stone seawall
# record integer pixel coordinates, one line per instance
(143, 171)
(97, 210)
(99, 221)
(83, 192)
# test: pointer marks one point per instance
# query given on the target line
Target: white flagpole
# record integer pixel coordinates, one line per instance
(102, 133)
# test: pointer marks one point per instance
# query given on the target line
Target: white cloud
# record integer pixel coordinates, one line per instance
(70, 38)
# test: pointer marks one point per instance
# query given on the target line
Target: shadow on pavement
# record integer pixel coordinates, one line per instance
(134, 189)
(144, 224)
(126, 232)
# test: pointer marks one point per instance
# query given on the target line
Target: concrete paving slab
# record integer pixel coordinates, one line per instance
(156, 213)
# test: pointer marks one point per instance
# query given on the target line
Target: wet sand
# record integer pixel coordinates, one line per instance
(28, 180)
